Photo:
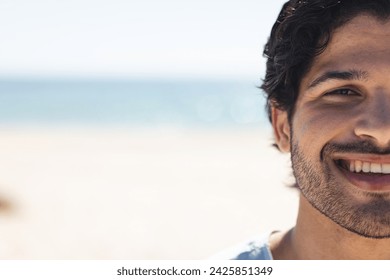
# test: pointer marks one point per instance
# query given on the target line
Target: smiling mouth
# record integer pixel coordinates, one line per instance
(369, 168)
(366, 175)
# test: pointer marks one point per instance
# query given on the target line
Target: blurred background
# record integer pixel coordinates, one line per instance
(136, 129)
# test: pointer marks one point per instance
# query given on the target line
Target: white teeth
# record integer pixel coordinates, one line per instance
(376, 168)
(358, 166)
(368, 167)
(352, 166)
(386, 168)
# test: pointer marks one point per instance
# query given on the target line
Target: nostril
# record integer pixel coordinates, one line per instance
(378, 132)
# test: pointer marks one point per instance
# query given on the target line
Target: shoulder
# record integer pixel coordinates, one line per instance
(256, 248)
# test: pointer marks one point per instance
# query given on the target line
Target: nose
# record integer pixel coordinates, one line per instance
(374, 122)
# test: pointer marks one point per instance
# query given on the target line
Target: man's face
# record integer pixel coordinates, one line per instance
(340, 131)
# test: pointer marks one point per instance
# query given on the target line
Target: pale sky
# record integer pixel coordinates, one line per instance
(135, 38)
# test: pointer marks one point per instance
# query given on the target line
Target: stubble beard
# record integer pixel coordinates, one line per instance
(323, 192)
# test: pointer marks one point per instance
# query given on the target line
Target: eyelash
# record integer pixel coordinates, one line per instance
(342, 92)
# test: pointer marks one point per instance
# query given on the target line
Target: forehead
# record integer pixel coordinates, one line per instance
(363, 43)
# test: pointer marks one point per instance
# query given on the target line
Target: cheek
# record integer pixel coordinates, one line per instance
(312, 129)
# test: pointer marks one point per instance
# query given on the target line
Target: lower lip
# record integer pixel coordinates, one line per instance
(372, 182)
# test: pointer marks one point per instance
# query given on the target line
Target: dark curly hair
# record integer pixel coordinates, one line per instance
(301, 32)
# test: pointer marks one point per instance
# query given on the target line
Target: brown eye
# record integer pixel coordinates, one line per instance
(343, 92)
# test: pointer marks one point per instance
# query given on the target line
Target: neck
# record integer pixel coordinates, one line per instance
(317, 237)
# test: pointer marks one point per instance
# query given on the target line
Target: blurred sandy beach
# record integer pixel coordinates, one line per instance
(126, 193)
(135, 130)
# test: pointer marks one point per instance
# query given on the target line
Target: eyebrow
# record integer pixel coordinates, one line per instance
(340, 75)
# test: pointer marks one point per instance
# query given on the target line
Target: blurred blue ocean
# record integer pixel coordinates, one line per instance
(131, 102)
